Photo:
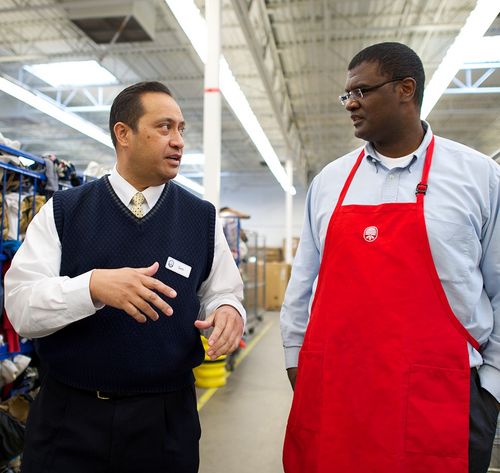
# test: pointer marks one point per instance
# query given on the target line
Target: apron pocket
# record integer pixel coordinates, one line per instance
(307, 399)
(437, 420)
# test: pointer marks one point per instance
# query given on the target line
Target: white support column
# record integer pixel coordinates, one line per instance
(212, 105)
(289, 213)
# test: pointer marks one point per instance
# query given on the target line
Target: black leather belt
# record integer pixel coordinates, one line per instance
(99, 394)
(106, 396)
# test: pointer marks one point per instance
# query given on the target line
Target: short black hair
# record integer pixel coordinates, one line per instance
(395, 60)
(127, 106)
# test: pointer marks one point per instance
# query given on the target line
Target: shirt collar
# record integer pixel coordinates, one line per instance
(125, 191)
(372, 157)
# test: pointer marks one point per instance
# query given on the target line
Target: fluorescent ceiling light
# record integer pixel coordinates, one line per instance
(55, 111)
(73, 73)
(476, 25)
(74, 121)
(192, 22)
(485, 50)
(194, 25)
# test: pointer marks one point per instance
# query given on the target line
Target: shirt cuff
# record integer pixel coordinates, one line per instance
(241, 310)
(291, 357)
(212, 307)
(227, 301)
(490, 380)
(77, 294)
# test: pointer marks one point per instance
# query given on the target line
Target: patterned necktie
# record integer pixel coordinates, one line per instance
(136, 205)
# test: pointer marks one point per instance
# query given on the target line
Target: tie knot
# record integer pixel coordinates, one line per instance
(136, 207)
(138, 199)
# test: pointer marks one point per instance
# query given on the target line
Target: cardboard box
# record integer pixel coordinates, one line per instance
(277, 276)
(274, 254)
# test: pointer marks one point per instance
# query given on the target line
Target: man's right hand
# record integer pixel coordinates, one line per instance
(292, 376)
(133, 290)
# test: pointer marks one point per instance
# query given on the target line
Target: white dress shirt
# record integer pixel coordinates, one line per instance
(39, 301)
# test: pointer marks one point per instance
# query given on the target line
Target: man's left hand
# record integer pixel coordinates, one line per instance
(228, 329)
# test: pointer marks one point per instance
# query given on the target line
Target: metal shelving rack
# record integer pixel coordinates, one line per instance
(252, 268)
(253, 273)
(36, 178)
(20, 174)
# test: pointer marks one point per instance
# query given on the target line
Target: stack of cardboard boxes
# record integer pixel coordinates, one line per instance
(277, 275)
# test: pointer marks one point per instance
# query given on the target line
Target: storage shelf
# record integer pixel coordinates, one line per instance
(26, 172)
(24, 154)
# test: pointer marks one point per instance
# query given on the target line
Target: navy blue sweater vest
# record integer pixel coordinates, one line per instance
(109, 350)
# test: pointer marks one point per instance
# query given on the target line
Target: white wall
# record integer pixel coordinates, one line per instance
(263, 199)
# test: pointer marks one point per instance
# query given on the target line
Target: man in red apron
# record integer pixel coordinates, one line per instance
(398, 369)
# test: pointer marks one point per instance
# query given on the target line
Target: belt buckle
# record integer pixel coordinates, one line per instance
(100, 396)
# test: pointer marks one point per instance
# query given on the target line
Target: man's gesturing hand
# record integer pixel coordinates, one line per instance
(228, 329)
(133, 290)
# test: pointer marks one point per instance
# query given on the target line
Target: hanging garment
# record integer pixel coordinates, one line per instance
(30, 206)
(383, 374)
(10, 335)
(4, 220)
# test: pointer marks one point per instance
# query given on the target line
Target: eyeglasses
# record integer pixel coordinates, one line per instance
(357, 94)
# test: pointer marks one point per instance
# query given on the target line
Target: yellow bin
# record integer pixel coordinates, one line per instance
(211, 373)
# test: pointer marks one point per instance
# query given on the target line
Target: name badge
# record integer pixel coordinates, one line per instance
(178, 267)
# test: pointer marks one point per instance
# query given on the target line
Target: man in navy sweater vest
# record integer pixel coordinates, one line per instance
(114, 281)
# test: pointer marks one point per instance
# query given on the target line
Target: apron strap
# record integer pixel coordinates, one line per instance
(420, 190)
(422, 186)
(349, 180)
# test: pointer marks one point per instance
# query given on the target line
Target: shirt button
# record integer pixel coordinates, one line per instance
(391, 176)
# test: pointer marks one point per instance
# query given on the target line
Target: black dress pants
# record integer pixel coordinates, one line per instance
(482, 425)
(73, 431)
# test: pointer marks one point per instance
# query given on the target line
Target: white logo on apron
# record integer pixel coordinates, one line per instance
(370, 234)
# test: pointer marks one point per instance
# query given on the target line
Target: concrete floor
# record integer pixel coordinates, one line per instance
(243, 423)
(495, 455)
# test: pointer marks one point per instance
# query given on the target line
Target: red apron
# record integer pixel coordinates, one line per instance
(383, 374)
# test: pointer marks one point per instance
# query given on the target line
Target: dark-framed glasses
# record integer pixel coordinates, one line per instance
(357, 94)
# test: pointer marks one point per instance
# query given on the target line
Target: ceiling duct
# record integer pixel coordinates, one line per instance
(124, 22)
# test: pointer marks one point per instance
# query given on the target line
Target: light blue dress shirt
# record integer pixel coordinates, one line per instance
(463, 223)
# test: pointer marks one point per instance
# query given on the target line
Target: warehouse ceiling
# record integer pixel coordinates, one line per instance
(289, 57)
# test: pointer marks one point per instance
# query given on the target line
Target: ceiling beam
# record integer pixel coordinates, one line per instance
(339, 33)
(273, 80)
(61, 5)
